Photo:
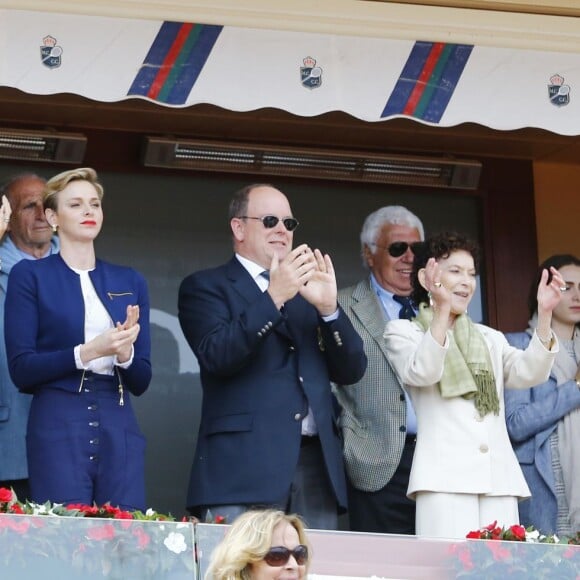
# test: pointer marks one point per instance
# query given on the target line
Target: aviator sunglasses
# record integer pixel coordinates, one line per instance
(397, 249)
(279, 555)
(271, 221)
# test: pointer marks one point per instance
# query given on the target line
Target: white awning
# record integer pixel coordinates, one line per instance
(178, 64)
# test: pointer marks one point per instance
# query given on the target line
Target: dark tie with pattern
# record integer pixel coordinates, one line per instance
(406, 308)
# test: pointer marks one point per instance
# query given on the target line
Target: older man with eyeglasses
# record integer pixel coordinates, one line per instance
(269, 337)
(378, 422)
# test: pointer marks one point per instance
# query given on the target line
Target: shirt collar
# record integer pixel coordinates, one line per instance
(253, 269)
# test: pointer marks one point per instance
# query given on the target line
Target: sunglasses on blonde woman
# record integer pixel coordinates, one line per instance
(279, 555)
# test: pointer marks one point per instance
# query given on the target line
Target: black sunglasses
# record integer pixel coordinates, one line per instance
(271, 221)
(279, 555)
(397, 249)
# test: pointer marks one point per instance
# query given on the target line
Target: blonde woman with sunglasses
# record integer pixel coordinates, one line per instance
(262, 545)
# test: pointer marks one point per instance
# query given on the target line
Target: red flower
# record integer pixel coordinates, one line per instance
(143, 539)
(16, 509)
(5, 495)
(220, 519)
(465, 558)
(499, 552)
(104, 532)
(20, 526)
(476, 535)
(519, 532)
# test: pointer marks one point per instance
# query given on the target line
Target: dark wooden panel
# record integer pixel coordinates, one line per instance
(511, 252)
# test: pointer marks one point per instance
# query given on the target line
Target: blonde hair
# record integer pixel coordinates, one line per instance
(247, 542)
(57, 183)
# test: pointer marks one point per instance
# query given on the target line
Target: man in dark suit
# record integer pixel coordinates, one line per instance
(269, 337)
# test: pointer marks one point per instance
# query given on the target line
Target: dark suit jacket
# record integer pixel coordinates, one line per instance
(260, 371)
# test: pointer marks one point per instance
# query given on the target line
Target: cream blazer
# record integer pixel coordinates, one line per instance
(457, 451)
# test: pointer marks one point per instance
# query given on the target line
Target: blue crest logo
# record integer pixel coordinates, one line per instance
(50, 52)
(558, 92)
(310, 74)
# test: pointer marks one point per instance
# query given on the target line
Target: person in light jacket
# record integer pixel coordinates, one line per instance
(465, 474)
(544, 422)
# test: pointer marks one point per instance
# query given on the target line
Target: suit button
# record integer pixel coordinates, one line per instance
(402, 428)
(87, 390)
(483, 448)
(402, 397)
(260, 333)
(297, 417)
(292, 347)
(92, 407)
(301, 379)
(94, 424)
(94, 441)
(93, 457)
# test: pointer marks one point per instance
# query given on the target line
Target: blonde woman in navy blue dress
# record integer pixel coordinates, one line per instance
(77, 337)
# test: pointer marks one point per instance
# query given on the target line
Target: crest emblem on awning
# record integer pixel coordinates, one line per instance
(558, 92)
(310, 74)
(50, 52)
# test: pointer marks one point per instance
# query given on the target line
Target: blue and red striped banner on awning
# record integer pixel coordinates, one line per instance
(174, 61)
(428, 80)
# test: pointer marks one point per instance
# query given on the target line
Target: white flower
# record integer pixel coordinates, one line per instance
(150, 512)
(532, 536)
(39, 510)
(175, 542)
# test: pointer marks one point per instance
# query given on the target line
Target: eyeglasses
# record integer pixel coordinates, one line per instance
(397, 249)
(271, 221)
(279, 555)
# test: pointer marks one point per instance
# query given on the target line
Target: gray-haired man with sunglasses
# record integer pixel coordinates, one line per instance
(378, 422)
(269, 337)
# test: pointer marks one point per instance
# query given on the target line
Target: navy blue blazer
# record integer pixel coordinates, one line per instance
(260, 371)
(44, 321)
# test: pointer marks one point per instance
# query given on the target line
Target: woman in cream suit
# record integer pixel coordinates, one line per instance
(465, 474)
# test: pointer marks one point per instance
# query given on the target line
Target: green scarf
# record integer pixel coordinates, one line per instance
(467, 371)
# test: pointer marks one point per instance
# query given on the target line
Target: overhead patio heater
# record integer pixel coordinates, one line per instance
(42, 146)
(194, 155)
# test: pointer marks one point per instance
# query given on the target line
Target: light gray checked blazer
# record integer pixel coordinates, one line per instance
(373, 413)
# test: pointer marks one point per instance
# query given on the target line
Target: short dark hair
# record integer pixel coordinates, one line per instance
(556, 261)
(239, 202)
(440, 245)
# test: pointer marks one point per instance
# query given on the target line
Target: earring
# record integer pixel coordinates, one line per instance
(54, 228)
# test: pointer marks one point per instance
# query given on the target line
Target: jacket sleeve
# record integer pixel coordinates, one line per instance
(525, 368)
(344, 350)
(531, 411)
(137, 376)
(416, 357)
(223, 341)
(29, 367)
